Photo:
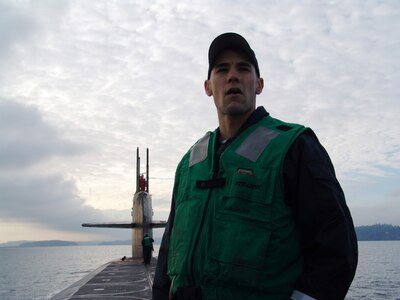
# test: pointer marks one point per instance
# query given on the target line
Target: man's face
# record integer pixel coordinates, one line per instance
(234, 84)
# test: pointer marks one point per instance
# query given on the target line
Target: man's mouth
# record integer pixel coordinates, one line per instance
(233, 91)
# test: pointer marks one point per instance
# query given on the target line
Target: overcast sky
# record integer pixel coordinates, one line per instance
(83, 83)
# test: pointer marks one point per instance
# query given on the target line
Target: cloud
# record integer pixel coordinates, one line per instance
(15, 25)
(22, 22)
(50, 199)
(29, 191)
(25, 139)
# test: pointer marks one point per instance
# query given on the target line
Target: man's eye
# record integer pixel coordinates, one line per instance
(244, 68)
(220, 70)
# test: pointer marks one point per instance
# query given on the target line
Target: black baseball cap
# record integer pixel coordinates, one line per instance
(230, 41)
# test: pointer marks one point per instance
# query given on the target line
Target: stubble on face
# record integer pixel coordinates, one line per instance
(235, 106)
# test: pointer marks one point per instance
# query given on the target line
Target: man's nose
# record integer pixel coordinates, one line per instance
(233, 75)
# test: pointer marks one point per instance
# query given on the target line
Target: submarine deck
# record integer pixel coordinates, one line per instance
(129, 279)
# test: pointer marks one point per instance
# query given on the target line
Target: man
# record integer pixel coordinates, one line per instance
(257, 212)
(147, 244)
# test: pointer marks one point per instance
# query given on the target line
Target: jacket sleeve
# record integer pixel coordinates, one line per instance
(328, 239)
(162, 283)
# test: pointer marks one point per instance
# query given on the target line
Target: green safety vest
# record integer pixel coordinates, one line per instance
(233, 235)
(147, 242)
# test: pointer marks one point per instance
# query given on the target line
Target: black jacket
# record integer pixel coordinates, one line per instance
(328, 239)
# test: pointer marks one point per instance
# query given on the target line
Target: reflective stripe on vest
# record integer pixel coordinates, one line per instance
(251, 148)
(200, 150)
(256, 142)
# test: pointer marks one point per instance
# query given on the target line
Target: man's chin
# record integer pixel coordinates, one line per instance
(238, 110)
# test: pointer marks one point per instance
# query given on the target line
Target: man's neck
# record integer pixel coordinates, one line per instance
(230, 125)
(229, 129)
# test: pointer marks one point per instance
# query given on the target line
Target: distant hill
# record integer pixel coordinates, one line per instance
(13, 243)
(378, 232)
(52, 243)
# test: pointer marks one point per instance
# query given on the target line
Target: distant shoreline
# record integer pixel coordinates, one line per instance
(62, 243)
(377, 232)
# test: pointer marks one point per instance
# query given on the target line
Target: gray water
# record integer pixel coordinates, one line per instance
(378, 272)
(40, 273)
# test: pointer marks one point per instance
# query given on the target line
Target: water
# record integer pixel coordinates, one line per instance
(378, 272)
(40, 273)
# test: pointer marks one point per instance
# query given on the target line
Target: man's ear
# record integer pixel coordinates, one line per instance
(207, 88)
(259, 86)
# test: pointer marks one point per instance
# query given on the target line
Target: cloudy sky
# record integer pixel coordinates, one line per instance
(83, 83)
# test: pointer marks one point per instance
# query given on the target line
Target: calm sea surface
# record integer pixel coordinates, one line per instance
(40, 273)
